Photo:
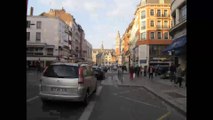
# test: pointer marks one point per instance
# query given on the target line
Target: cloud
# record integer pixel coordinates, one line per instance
(50, 3)
(91, 7)
(122, 8)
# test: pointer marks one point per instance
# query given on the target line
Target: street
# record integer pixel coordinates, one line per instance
(111, 102)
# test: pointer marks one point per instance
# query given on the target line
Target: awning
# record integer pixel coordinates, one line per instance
(176, 44)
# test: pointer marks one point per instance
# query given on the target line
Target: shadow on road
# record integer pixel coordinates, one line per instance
(63, 109)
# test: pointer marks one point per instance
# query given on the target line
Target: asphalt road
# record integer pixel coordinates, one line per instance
(111, 103)
(130, 103)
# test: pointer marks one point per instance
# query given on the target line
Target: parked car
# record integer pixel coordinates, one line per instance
(67, 82)
(99, 73)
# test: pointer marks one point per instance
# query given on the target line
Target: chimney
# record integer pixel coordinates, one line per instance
(31, 11)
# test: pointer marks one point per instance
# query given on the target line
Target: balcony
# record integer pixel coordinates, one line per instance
(182, 18)
(180, 25)
(143, 27)
(159, 27)
(34, 53)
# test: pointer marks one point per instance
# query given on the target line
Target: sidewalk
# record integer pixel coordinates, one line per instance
(162, 88)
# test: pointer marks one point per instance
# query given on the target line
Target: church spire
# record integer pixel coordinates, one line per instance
(102, 46)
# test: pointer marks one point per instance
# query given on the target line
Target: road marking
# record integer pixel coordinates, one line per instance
(98, 91)
(164, 116)
(127, 91)
(133, 100)
(32, 98)
(88, 110)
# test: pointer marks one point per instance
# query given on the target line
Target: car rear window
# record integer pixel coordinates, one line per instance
(61, 71)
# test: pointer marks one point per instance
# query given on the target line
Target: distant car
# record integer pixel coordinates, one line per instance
(105, 69)
(67, 82)
(165, 75)
(162, 70)
(99, 73)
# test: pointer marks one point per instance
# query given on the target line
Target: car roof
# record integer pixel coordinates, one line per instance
(62, 63)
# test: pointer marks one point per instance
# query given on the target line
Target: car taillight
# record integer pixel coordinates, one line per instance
(81, 77)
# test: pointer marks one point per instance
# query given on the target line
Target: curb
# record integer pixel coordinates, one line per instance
(167, 101)
(149, 90)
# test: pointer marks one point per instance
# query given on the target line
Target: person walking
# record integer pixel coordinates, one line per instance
(179, 75)
(145, 70)
(150, 71)
(141, 70)
(131, 72)
(172, 72)
(119, 72)
(137, 70)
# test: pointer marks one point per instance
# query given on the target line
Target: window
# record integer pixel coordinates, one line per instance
(28, 36)
(159, 24)
(49, 51)
(38, 25)
(165, 24)
(143, 14)
(38, 36)
(152, 23)
(152, 35)
(159, 35)
(28, 24)
(61, 71)
(165, 13)
(166, 35)
(158, 13)
(143, 36)
(143, 25)
(151, 12)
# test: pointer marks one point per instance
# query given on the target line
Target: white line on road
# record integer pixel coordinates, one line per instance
(133, 100)
(127, 91)
(98, 91)
(88, 110)
(164, 116)
(30, 99)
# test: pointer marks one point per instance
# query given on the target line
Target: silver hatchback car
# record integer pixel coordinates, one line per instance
(68, 82)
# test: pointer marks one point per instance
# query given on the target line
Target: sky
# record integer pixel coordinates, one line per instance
(100, 19)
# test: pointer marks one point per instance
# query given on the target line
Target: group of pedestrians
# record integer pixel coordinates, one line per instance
(139, 71)
(177, 74)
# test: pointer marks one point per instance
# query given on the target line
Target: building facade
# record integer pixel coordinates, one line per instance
(103, 57)
(76, 32)
(154, 22)
(46, 40)
(56, 36)
(178, 32)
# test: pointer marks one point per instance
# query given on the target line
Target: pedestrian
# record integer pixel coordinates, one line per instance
(150, 71)
(137, 70)
(141, 70)
(119, 72)
(179, 75)
(38, 66)
(131, 72)
(172, 72)
(145, 70)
